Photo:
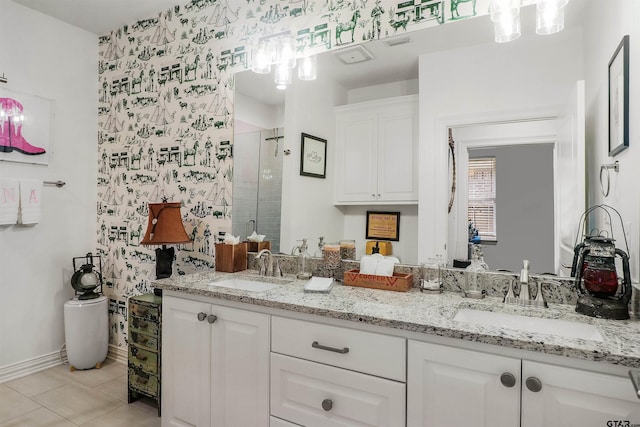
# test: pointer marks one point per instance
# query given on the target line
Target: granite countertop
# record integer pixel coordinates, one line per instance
(427, 313)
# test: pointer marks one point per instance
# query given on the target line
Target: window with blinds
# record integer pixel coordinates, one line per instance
(482, 196)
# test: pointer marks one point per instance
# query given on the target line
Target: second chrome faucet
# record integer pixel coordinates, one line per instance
(524, 297)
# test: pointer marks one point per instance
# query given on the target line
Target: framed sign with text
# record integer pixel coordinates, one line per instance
(383, 226)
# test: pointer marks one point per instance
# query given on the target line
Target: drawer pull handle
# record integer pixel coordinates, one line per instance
(142, 358)
(533, 384)
(324, 347)
(212, 318)
(327, 404)
(508, 379)
(141, 380)
(141, 312)
(202, 316)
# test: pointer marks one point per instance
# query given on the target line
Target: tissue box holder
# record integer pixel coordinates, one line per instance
(257, 246)
(231, 258)
(400, 282)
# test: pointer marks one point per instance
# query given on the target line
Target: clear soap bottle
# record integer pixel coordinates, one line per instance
(303, 261)
(475, 274)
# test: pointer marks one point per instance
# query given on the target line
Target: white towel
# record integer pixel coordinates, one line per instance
(30, 201)
(9, 200)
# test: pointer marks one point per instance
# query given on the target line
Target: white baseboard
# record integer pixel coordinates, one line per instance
(40, 363)
(118, 354)
(29, 366)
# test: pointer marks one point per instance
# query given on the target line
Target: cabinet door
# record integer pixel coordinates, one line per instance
(356, 157)
(450, 387)
(398, 154)
(575, 398)
(240, 368)
(186, 363)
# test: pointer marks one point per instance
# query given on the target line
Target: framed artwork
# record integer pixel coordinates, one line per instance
(26, 127)
(619, 98)
(383, 226)
(313, 156)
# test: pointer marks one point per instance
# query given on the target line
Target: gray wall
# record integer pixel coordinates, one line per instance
(524, 207)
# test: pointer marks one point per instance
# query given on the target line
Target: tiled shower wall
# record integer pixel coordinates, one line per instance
(166, 115)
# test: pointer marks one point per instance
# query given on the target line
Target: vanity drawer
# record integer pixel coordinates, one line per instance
(147, 384)
(312, 394)
(143, 359)
(142, 340)
(144, 310)
(367, 352)
(139, 324)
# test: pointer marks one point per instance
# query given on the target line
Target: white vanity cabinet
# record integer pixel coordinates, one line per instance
(216, 363)
(448, 386)
(325, 376)
(377, 152)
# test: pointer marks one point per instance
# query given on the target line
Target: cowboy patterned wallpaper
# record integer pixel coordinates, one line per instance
(165, 115)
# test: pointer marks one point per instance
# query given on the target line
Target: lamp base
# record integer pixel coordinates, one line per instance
(164, 260)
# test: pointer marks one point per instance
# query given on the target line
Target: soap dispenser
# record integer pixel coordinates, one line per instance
(474, 274)
(303, 261)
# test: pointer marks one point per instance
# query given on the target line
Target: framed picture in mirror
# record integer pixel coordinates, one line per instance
(619, 98)
(313, 156)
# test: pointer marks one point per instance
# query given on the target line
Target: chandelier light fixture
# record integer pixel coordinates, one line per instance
(505, 15)
(279, 51)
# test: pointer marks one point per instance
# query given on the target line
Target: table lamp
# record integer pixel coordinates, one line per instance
(165, 228)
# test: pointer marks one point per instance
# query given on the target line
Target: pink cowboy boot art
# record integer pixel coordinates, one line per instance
(11, 138)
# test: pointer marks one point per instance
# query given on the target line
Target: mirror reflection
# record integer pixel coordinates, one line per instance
(308, 206)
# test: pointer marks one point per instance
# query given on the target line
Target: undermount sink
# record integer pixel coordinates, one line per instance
(244, 284)
(562, 328)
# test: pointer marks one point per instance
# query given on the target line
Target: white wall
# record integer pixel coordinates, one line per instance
(604, 29)
(48, 58)
(458, 86)
(307, 202)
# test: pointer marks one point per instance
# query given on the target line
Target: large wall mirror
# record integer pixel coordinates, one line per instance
(306, 204)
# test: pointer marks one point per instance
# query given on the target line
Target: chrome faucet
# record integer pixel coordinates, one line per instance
(267, 267)
(525, 295)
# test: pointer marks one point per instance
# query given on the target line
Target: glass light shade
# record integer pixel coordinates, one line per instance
(261, 58)
(286, 52)
(502, 9)
(282, 76)
(308, 68)
(549, 17)
(507, 29)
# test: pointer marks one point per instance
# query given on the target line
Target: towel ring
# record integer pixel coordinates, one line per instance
(616, 167)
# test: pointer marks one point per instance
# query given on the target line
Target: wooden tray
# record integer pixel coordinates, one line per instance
(398, 282)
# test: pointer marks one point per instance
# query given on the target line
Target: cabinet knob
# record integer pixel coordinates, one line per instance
(212, 318)
(373, 196)
(327, 404)
(533, 384)
(508, 379)
(378, 195)
(202, 316)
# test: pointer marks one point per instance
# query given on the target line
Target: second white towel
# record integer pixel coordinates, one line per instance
(30, 201)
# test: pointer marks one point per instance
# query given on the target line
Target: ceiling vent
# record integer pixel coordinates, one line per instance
(353, 55)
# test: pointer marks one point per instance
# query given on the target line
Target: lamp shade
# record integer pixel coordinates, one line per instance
(165, 225)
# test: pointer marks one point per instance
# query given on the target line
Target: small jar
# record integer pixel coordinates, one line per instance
(348, 249)
(431, 273)
(331, 255)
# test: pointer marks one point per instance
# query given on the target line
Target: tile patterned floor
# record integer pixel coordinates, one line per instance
(57, 397)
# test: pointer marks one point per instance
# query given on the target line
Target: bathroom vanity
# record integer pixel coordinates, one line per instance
(358, 356)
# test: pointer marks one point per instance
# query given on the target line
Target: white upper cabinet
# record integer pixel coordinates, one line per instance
(376, 152)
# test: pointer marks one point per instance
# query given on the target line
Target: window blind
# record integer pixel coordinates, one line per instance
(482, 196)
